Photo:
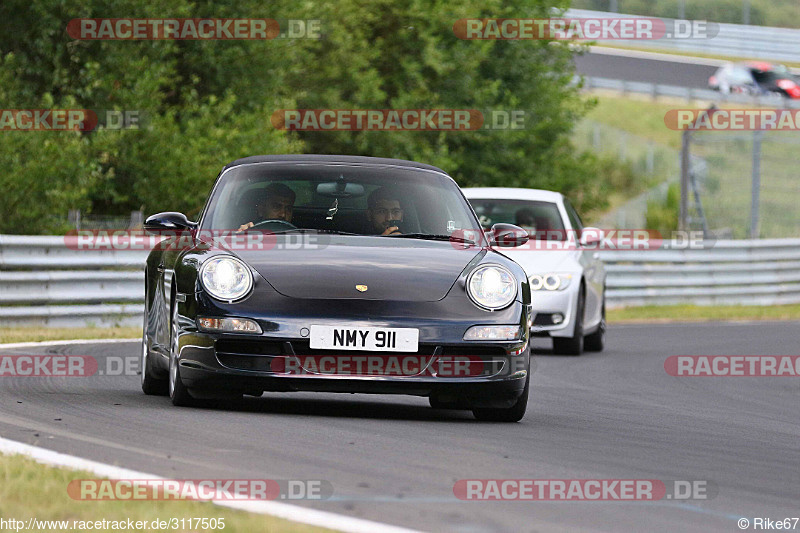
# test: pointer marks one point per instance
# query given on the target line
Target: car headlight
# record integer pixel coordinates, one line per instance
(226, 278)
(555, 281)
(492, 287)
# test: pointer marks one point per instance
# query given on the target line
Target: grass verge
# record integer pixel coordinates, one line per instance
(33, 490)
(726, 182)
(27, 334)
(697, 313)
(650, 313)
(642, 118)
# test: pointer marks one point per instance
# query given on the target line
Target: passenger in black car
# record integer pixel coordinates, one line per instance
(384, 211)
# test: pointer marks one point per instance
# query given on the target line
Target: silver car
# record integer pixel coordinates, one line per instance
(567, 277)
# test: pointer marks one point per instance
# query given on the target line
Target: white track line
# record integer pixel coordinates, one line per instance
(286, 511)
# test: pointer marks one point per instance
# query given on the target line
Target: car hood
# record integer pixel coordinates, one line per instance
(397, 269)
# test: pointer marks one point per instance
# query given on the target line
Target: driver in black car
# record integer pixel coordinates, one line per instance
(275, 202)
(384, 211)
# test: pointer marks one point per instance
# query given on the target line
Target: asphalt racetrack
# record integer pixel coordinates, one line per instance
(644, 69)
(612, 415)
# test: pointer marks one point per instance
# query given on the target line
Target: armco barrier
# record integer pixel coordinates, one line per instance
(656, 90)
(42, 282)
(747, 272)
(733, 40)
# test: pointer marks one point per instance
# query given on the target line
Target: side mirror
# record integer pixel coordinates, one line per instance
(169, 221)
(591, 236)
(508, 235)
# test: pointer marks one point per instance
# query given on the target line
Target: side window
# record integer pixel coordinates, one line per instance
(574, 219)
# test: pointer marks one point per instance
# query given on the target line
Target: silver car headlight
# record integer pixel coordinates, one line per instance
(492, 287)
(554, 281)
(226, 278)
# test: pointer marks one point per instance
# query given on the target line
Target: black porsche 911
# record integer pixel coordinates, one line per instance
(337, 274)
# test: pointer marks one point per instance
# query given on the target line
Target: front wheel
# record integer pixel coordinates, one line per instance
(572, 345)
(596, 341)
(178, 392)
(151, 384)
(515, 413)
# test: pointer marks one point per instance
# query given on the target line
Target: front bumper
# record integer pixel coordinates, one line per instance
(224, 363)
(546, 304)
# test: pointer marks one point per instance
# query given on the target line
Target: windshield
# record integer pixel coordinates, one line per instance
(338, 198)
(542, 220)
(738, 75)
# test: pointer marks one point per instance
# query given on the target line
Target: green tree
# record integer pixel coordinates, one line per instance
(205, 103)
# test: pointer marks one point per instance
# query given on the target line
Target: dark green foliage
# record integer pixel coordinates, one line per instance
(206, 103)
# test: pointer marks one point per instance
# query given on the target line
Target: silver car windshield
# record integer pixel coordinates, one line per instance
(542, 220)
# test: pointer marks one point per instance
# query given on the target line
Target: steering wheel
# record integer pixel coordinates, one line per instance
(281, 224)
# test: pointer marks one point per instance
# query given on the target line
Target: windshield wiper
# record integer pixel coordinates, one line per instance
(430, 237)
(315, 230)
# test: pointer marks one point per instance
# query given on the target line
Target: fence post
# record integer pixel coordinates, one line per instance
(137, 219)
(74, 218)
(756, 185)
(685, 142)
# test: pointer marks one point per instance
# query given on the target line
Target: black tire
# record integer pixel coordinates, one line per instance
(515, 413)
(178, 392)
(151, 384)
(573, 345)
(596, 341)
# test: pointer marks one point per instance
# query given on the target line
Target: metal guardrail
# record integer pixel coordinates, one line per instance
(657, 90)
(42, 282)
(732, 40)
(747, 272)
